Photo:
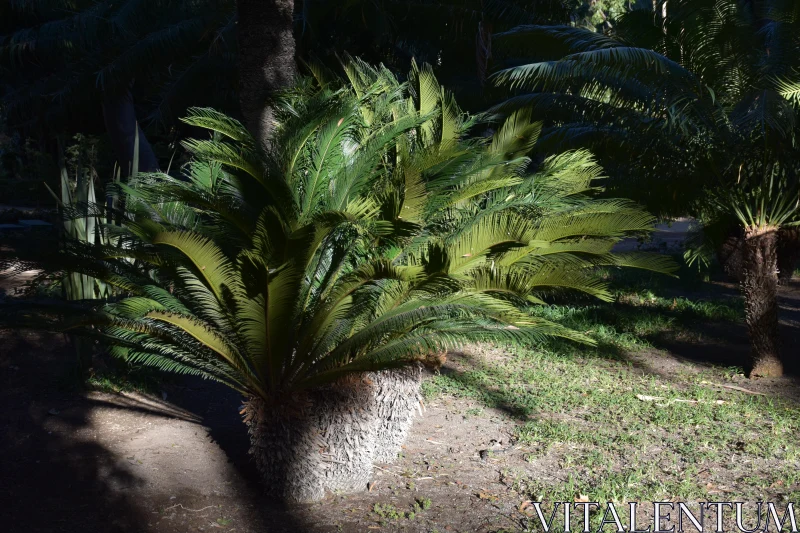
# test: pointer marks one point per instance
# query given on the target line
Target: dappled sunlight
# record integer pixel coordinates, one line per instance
(615, 431)
(12, 281)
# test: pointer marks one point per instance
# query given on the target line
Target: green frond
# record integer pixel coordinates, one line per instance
(371, 234)
(517, 135)
(646, 261)
(209, 261)
(200, 332)
(790, 88)
(213, 120)
(243, 158)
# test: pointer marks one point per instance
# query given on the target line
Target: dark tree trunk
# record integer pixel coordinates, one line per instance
(788, 253)
(266, 59)
(121, 125)
(760, 289)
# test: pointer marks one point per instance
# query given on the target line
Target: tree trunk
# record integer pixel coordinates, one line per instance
(788, 253)
(266, 59)
(121, 124)
(760, 289)
(396, 400)
(329, 439)
(325, 442)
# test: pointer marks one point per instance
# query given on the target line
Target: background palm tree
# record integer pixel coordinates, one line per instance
(689, 103)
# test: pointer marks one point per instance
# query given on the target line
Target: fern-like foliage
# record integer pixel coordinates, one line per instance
(692, 102)
(375, 233)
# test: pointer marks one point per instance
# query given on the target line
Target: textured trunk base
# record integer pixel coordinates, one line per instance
(767, 367)
(285, 449)
(730, 256)
(396, 401)
(788, 253)
(331, 439)
(760, 288)
(326, 444)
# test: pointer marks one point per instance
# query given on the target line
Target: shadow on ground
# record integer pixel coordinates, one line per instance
(218, 408)
(726, 343)
(59, 472)
(683, 341)
(54, 477)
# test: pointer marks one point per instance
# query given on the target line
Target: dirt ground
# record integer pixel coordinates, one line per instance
(176, 461)
(141, 463)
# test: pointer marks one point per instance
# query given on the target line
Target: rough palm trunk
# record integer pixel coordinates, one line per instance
(788, 253)
(323, 442)
(730, 255)
(760, 289)
(396, 401)
(266, 59)
(329, 439)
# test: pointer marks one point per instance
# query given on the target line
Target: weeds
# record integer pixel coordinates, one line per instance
(388, 511)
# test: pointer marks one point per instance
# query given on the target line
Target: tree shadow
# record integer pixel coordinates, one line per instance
(218, 409)
(686, 338)
(727, 344)
(54, 477)
(57, 476)
(703, 341)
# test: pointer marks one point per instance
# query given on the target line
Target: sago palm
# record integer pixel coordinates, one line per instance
(690, 104)
(372, 236)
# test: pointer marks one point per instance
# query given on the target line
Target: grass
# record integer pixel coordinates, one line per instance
(387, 511)
(646, 308)
(584, 429)
(120, 377)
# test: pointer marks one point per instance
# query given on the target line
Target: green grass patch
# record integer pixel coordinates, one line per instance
(587, 427)
(387, 511)
(120, 377)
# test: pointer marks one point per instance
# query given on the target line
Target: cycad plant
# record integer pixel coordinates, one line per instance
(371, 237)
(691, 104)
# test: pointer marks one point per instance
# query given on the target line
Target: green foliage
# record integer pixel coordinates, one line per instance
(82, 218)
(692, 98)
(81, 212)
(601, 15)
(373, 234)
(390, 512)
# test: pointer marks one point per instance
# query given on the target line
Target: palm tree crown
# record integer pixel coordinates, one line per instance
(687, 89)
(375, 235)
(697, 100)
